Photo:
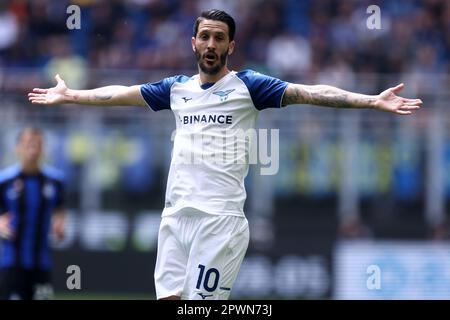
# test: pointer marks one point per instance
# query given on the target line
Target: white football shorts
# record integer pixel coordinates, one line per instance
(199, 254)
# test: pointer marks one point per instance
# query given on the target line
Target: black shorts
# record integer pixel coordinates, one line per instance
(24, 284)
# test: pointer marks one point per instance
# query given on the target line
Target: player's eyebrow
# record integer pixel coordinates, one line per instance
(211, 32)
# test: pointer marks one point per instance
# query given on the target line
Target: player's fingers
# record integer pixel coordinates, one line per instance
(398, 88)
(39, 90)
(412, 101)
(412, 104)
(36, 95)
(409, 107)
(58, 79)
(39, 101)
(403, 112)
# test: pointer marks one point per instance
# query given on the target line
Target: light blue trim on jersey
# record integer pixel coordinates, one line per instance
(157, 94)
(10, 172)
(52, 173)
(266, 92)
(14, 170)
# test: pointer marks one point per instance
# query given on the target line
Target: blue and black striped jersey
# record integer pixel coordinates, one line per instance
(31, 201)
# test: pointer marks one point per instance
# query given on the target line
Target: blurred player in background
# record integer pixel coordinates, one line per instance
(31, 206)
(204, 234)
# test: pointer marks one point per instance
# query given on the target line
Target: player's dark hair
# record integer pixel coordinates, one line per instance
(33, 130)
(217, 15)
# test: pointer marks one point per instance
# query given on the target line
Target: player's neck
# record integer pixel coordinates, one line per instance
(30, 168)
(208, 78)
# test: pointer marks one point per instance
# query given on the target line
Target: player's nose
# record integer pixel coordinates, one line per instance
(211, 44)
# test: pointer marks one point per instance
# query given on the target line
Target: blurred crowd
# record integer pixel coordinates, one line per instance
(287, 38)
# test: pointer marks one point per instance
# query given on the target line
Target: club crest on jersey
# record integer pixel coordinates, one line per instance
(223, 94)
(48, 191)
(14, 192)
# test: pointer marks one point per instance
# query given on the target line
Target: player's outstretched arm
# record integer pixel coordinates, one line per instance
(105, 96)
(328, 96)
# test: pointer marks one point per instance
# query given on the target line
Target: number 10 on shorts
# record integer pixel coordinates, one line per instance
(205, 278)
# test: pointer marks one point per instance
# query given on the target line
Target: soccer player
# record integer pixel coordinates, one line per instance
(31, 200)
(204, 234)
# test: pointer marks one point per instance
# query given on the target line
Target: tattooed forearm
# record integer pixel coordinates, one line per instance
(104, 94)
(327, 96)
(295, 94)
(103, 97)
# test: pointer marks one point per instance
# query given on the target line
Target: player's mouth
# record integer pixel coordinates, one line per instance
(210, 58)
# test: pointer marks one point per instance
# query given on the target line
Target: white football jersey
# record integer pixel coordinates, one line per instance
(214, 130)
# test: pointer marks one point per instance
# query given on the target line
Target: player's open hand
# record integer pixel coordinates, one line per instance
(389, 101)
(6, 229)
(53, 95)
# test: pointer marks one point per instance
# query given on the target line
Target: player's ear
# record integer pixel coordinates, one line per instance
(231, 47)
(193, 44)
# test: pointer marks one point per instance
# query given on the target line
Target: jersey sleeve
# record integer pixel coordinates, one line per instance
(157, 94)
(265, 91)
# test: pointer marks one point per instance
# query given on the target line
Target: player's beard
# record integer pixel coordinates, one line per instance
(213, 70)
